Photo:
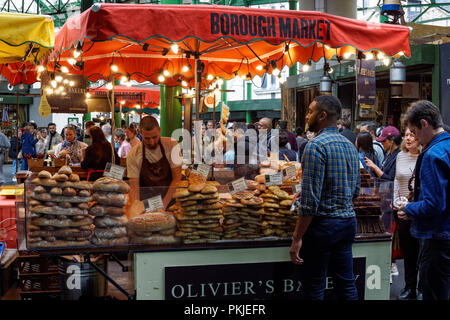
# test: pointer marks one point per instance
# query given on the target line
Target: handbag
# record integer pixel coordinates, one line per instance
(397, 251)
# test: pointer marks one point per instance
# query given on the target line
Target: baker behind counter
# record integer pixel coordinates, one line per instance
(161, 166)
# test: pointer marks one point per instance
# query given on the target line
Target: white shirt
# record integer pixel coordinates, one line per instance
(172, 151)
(405, 164)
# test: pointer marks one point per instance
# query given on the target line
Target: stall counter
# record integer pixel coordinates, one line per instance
(263, 272)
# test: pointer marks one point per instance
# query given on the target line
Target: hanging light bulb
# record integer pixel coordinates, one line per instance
(259, 67)
(386, 61)
(88, 95)
(174, 48)
(327, 47)
(138, 106)
(53, 83)
(369, 56)
(161, 78)
(59, 78)
(76, 53)
(49, 90)
(166, 73)
(64, 69)
(40, 69)
(122, 102)
(330, 70)
(114, 68)
(71, 61)
(209, 77)
(65, 81)
(401, 53)
(185, 69)
(63, 93)
(220, 82)
(123, 80)
(184, 83)
(276, 72)
(71, 83)
(381, 55)
(109, 86)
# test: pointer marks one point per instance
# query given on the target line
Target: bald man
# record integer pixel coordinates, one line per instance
(266, 124)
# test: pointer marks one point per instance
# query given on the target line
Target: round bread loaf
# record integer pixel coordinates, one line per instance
(154, 239)
(84, 193)
(65, 170)
(59, 211)
(152, 222)
(40, 189)
(110, 198)
(74, 177)
(107, 222)
(61, 223)
(61, 233)
(44, 174)
(100, 211)
(109, 242)
(108, 184)
(61, 177)
(44, 182)
(110, 233)
(70, 192)
(82, 185)
(56, 191)
(59, 243)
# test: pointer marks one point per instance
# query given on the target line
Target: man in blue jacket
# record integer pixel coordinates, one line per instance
(430, 211)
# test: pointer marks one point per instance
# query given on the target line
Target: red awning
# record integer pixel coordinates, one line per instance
(229, 41)
(131, 96)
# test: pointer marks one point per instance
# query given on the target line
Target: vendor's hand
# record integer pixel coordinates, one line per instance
(64, 153)
(294, 251)
(402, 215)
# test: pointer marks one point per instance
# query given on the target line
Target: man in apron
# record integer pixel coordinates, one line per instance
(153, 165)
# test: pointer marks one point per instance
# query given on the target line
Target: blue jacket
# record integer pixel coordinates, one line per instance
(28, 144)
(430, 213)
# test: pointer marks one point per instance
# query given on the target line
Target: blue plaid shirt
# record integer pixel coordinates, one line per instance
(331, 177)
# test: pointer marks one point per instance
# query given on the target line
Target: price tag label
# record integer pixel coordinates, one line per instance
(114, 171)
(153, 204)
(237, 185)
(274, 179)
(201, 169)
(296, 188)
(289, 173)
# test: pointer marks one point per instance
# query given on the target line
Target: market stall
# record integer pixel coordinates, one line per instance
(209, 224)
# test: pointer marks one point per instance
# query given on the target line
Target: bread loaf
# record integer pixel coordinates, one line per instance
(44, 174)
(61, 177)
(59, 243)
(109, 242)
(59, 211)
(106, 222)
(154, 239)
(110, 233)
(61, 223)
(74, 177)
(153, 221)
(100, 211)
(65, 170)
(108, 184)
(109, 198)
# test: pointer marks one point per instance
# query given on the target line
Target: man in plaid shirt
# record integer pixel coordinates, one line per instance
(326, 225)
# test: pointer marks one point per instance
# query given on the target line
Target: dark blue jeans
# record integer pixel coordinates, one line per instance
(327, 245)
(434, 269)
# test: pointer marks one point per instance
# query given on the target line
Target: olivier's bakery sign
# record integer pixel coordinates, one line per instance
(264, 26)
(272, 280)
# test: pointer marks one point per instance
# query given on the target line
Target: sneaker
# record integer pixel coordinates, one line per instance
(394, 270)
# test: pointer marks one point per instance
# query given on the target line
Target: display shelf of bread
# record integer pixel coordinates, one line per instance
(151, 228)
(367, 205)
(367, 180)
(108, 208)
(197, 210)
(242, 216)
(277, 219)
(58, 210)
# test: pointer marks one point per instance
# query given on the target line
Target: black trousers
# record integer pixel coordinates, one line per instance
(410, 247)
(434, 269)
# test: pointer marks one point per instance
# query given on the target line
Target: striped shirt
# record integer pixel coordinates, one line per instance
(331, 177)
